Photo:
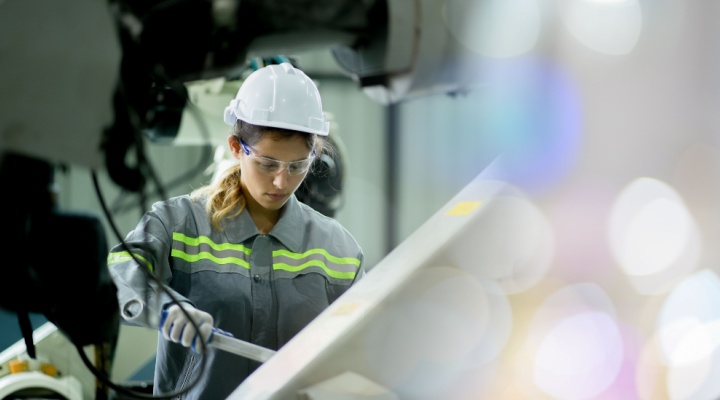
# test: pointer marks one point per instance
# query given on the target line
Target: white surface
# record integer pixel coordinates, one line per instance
(348, 386)
(334, 342)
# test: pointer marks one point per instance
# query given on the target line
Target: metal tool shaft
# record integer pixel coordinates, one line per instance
(241, 347)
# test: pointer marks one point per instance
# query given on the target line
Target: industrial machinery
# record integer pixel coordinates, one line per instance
(87, 82)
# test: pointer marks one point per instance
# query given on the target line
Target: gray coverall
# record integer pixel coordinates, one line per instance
(261, 288)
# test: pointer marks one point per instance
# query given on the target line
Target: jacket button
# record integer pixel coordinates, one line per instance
(256, 278)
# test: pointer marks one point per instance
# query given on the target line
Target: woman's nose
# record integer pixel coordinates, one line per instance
(281, 178)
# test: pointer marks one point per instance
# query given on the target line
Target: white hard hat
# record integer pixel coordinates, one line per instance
(279, 96)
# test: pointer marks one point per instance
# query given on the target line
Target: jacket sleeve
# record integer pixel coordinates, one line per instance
(140, 268)
(361, 268)
(335, 290)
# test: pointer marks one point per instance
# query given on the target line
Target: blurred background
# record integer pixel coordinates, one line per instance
(604, 261)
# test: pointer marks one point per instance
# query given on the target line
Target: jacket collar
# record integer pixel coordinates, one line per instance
(288, 230)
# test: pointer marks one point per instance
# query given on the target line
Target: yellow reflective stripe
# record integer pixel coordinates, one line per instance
(206, 240)
(196, 242)
(204, 255)
(121, 256)
(336, 260)
(315, 263)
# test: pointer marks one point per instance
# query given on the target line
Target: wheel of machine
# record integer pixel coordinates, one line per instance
(33, 384)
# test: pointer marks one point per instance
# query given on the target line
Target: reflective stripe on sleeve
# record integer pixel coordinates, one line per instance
(122, 256)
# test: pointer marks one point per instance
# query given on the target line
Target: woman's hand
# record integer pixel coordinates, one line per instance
(176, 326)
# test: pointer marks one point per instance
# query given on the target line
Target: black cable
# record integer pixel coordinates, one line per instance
(117, 388)
(27, 332)
(203, 347)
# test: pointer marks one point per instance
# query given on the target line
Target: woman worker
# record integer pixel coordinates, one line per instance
(241, 254)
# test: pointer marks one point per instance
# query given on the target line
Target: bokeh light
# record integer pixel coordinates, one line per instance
(653, 236)
(625, 384)
(607, 27)
(574, 346)
(532, 112)
(689, 323)
(494, 28)
(696, 380)
(579, 357)
(682, 358)
(513, 245)
(650, 371)
(451, 323)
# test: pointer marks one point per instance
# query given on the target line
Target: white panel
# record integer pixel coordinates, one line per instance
(343, 337)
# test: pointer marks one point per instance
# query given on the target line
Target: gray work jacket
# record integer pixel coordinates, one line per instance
(261, 288)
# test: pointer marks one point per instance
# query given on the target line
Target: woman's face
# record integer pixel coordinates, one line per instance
(263, 187)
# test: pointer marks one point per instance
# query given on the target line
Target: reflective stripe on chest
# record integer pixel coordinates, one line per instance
(193, 250)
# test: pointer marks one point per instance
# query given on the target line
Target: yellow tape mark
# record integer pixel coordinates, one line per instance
(464, 208)
(346, 309)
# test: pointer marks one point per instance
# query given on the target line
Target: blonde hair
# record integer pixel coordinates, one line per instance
(225, 198)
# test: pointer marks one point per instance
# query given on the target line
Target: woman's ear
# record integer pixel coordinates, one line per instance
(234, 145)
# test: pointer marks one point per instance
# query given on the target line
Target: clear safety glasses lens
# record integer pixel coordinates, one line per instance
(269, 166)
(273, 167)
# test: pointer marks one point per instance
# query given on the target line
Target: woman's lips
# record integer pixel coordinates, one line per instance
(276, 196)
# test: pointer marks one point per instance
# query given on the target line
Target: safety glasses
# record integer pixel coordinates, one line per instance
(270, 166)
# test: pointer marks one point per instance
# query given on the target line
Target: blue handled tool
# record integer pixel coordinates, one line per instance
(225, 341)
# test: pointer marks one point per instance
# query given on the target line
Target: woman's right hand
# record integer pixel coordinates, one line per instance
(177, 327)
